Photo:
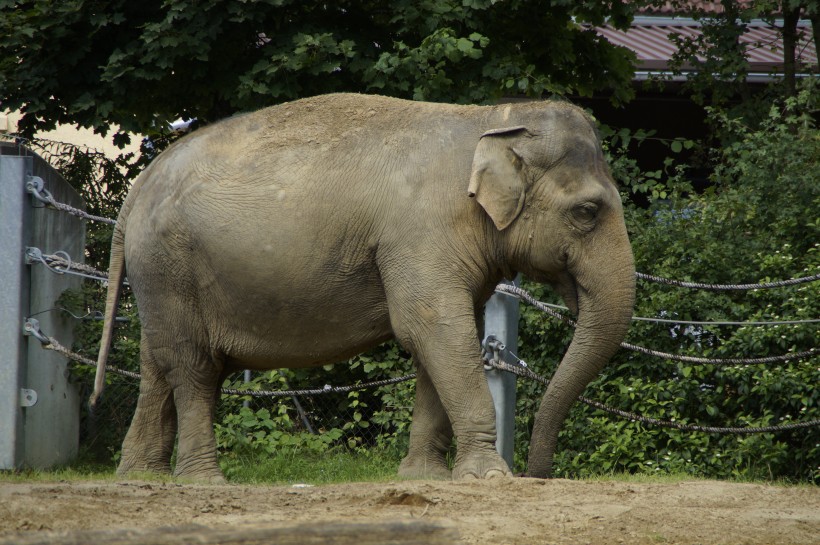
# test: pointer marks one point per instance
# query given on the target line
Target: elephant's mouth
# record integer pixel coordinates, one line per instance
(567, 288)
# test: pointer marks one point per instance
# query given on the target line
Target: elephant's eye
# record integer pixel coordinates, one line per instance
(586, 212)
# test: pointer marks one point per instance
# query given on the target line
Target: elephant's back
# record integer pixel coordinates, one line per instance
(325, 135)
(329, 131)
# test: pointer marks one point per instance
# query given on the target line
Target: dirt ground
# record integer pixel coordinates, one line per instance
(519, 511)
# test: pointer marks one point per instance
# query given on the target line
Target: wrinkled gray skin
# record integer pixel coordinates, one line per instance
(306, 233)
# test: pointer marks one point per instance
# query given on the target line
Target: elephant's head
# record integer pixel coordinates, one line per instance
(549, 192)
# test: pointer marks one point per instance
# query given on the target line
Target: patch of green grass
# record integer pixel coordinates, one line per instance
(672, 478)
(294, 465)
(300, 465)
(73, 472)
(658, 477)
(291, 465)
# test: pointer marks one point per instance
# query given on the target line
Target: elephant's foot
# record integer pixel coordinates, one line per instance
(132, 463)
(424, 467)
(141, 472)
(481, 465)
(204, 473)
(201, 478)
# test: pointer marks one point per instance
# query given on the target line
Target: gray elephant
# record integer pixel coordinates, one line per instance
(308, 232)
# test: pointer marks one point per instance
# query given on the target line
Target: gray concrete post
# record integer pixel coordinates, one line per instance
(46, 432)
(14, 215)
(501, 321)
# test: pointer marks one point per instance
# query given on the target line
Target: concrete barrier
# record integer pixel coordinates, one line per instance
(39, 405)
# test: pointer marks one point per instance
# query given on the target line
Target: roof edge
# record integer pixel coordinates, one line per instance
(665, 20)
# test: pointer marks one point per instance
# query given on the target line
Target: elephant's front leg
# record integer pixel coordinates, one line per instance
(441, 332)
(430, 434)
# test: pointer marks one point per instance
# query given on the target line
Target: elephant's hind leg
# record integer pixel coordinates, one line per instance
(194, 378)
(149, 444)
(430, 434)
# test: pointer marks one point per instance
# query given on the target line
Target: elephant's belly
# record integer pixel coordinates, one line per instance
(287, 336)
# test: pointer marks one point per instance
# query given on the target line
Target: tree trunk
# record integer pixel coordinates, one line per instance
(790, 19)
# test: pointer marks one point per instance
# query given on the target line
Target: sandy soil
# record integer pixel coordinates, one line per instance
(519, 511)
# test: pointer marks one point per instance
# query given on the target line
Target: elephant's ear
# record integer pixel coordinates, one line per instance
(497, 180)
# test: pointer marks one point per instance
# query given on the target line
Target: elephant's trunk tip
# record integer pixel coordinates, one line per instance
(96, 395)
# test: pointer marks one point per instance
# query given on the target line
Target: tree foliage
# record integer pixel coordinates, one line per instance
(140, 65)
(717, 57)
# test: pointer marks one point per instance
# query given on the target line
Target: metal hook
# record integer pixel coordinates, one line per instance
(36, 186)
(67, 258)
(32, 327)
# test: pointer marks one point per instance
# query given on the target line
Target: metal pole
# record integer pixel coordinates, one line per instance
(501, 321)
(247, 402)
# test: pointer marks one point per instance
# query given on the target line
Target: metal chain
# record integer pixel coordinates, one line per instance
(53, 344)
(523, 371)
(327, 389)
(50, 343)
(35, 186)
(694, 427)
(668, 321)
(64, 265)
(719, 287)
(526, 297)
(722, 361)
(725, 322)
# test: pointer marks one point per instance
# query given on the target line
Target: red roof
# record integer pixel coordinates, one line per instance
(648, 37)
(679, 8)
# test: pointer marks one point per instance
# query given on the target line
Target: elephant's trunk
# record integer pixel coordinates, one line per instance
(605, 298)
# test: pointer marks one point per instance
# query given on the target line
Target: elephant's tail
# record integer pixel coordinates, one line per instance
(116, 274)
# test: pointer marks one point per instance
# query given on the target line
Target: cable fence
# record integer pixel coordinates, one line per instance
(268, 408)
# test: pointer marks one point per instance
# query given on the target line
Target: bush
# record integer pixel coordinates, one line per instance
(357, 420)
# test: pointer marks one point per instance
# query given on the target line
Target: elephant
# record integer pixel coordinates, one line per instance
(305, 233)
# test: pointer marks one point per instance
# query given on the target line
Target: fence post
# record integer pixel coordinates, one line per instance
(15, 214)
(501, 321)
(39, 403)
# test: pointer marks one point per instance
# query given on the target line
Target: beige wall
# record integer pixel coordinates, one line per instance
(73, 135)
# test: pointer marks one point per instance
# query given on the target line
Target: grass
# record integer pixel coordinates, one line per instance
(288, 466)
(74, 472)
(679, 477)
(643, 478)
(302, 466)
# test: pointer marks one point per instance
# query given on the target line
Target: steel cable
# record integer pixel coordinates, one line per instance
(64, 265)
(50, 343)
(526, 297)
(53, 344)
(521, 370)
(719, 287)
(35, 187)
(327, 389)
